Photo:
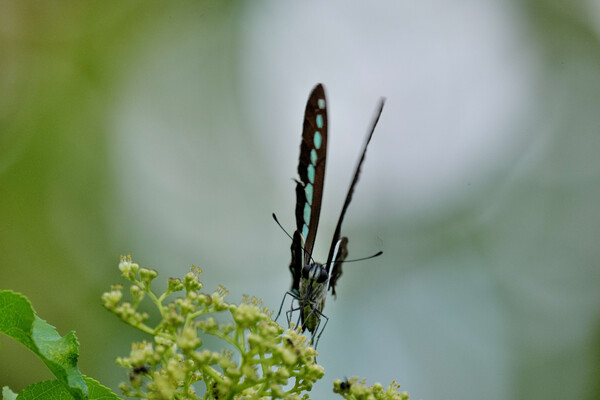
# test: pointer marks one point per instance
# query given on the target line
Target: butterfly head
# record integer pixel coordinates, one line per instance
(315, 273)
(313, 283)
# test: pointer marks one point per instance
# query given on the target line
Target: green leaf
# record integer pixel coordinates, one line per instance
(60, 354)
(45, 390)
(98, 391)
(54, 390)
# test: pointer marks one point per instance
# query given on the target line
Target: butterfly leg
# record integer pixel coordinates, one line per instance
(320, 315)
(293, 296)
(289, 313)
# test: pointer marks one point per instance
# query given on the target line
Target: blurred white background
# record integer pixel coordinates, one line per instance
(172, 132)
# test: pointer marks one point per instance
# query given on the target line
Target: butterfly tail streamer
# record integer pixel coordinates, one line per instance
(338, 228)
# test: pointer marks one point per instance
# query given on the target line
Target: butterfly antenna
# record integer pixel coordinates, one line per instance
(282, 228)
(291, 238)
(365, 258)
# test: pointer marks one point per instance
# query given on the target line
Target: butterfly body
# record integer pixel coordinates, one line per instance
(312, 280)
(312, 291)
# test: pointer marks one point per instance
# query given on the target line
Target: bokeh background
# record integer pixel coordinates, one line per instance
(170, 131)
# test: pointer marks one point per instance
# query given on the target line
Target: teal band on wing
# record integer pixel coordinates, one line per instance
(313, 157)
(317, 139)
(311, 173)
(307, 211)
(308, 192)
(319, 121)
(321, 103)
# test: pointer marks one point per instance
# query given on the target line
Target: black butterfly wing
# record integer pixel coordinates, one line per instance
(296, 263)
(337, 267)
(311, 170)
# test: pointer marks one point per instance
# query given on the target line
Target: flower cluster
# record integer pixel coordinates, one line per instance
(353, 389)
(260, 359)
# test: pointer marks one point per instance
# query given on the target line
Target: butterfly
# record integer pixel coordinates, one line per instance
(311, 280)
